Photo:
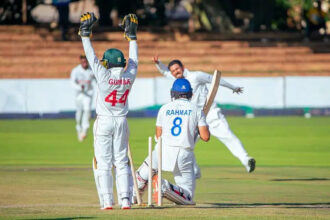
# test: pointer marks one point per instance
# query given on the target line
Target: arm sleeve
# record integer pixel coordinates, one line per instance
(207, 78)
(162, 68)
(93, 83)
(227, 84)
(74, 82)
(97, 68)
(203, 77)
(201, 119)
(133, 58)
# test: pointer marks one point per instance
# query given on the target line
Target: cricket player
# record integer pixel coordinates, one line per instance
(178, 123)
(217, 122)
(82, 80)
(111, 132)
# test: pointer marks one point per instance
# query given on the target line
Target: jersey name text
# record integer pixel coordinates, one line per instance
(119, 81)
(178, 112)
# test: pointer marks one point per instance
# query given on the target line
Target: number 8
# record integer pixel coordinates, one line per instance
(176, 125)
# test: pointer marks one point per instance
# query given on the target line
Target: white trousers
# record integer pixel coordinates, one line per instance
(83, 112)
(110, 148)
(183, 171)
(219, 128)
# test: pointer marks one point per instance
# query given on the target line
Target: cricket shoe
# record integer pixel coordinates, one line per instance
(125, 203)
(176, 194)
(134, 199)
(251, 165)
(107, 208)
(81, 137)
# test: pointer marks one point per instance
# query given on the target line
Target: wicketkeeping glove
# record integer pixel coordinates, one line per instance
(86, 23)
(129, 24)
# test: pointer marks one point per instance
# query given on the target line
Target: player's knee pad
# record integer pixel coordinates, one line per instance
(176, 194)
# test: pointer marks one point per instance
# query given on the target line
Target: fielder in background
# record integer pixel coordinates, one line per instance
(217, 122)
(111, 133)
(82, 80)
(178, 123)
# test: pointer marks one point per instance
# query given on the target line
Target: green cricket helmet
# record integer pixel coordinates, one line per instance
(113, 58)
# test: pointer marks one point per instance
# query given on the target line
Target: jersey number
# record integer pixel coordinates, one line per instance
(176, 129)
(112, 97)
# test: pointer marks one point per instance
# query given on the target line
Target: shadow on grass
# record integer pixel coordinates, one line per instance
(307, 179)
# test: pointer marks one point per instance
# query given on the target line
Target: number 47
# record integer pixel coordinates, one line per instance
(112, 98)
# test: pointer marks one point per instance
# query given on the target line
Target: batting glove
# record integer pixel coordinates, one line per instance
(129, 24)
(86, 23)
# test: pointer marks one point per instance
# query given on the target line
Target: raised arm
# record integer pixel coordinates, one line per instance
(235, 89)
(85, 31)
(162, 68)
(203, 77)
(130, 23)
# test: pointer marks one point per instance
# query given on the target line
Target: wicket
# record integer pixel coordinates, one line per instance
(150, 172)
(159, 185)
(160, 201)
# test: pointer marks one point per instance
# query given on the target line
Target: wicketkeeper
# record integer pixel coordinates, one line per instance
(83, 80)
(178, 123)
(111, 133)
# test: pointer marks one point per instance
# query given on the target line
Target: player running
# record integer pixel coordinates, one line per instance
(82, 80)
(110, 128)
(217, 122)
(178, 123)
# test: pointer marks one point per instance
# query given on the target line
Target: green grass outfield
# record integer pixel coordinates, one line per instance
(45, 172)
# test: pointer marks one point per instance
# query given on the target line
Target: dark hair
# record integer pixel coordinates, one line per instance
(177, 95)
(175, 62)
(82, 56)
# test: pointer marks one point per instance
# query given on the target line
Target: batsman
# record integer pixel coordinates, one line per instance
(178, 122)
(111, 132)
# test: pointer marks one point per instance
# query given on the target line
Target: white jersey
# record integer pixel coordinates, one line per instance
(82, 80)
(114, 84)
(179, 120)
(198, 81)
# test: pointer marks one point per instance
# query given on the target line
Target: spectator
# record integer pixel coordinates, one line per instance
(63, 12)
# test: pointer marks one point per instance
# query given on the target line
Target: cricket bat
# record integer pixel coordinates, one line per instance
(212, 91)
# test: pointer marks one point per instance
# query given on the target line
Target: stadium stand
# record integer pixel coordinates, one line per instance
(29, 52)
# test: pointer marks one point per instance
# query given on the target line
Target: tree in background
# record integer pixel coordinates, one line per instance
(316, 20)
